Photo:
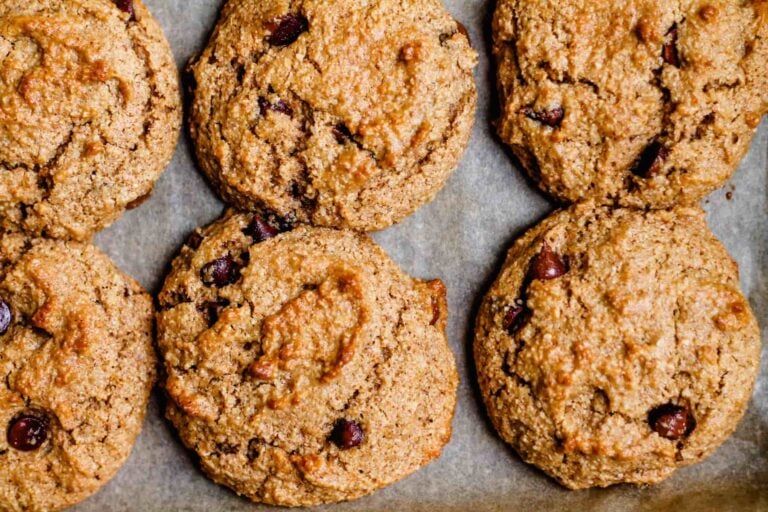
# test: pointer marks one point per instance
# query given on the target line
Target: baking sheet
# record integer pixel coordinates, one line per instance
(461, 237)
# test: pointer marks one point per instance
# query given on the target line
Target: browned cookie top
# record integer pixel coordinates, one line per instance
(303, 367)
(89, 112)
(615, 345)
(77, 363)
(642, 102)
(345, 114)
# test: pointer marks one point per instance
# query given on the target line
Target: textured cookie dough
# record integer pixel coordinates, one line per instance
(339, 113)
(640, 103)
(306, 368)
(76, 356)
(615, 346)
(89, 113)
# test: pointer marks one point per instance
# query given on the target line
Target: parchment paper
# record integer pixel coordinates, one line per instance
(461, 237)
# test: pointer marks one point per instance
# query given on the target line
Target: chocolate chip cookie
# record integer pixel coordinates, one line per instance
(343, 114)
(615, 346)
(640, 103)
(77, 363)
(89, 116)
(303, 366)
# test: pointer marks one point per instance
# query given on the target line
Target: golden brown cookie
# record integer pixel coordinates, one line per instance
(303, 367)
(642, 102)
(338, 113)
(615, 345)
(89, 113)
(78, 365)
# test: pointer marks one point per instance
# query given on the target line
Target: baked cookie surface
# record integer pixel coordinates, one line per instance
(303, 367)
(342, 114)
(78, 367)
(90, 113)
(639, 103)
(615, 346)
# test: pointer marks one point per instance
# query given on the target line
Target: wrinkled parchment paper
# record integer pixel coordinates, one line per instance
(461, 237)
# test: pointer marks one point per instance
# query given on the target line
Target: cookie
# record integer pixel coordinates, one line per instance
(303, 367)
(78, 367)
(342, 114)
(638, 103)
(615, 345)
(90, 113)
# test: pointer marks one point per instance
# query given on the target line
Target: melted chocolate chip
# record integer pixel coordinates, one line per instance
(279, 106)
(651, 160)
(671, 421)
(27, 432)
(342, 133)
(515, 318)
(669, 51)
(194, 240)
(6, 317)
(552, 117)
(347, 434)
(286, 29)
(125, 6)
(220, 272)
(260, 230)
(546, 265)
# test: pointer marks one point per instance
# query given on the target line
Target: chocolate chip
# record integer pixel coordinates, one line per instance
(669, 51)
(194, 240)
(347, 434)
(279, 106)
(6, 317)
(342, 133)
(220, 272)
(260, 230)
(126, 6)
(515, 317)
(651, 160)
(552, 117)
(546, 265)
(212, 309)
(286, 29)
(671, 421)
(27, 432)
